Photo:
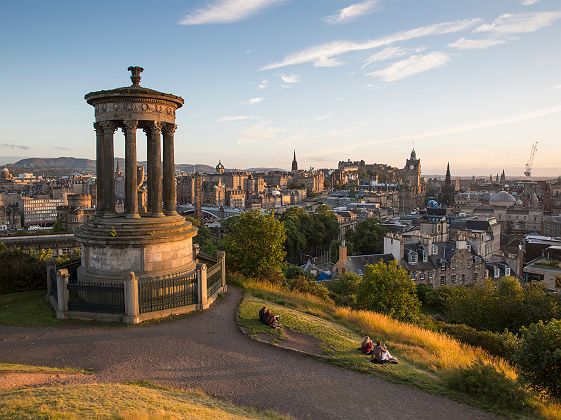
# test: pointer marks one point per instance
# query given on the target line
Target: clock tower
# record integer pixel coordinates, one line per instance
(412, 173)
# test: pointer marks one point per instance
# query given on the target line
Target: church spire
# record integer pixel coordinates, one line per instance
(448, 180)
(294, 162)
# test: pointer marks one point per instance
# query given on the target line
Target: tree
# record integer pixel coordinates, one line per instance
(208, 243)
(539, 355)
(344, 289)
(255, 244)
(367, 237)
(389, 289)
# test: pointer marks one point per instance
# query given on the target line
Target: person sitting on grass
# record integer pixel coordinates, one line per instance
(381, 355)
(366, 346)
(267, 317)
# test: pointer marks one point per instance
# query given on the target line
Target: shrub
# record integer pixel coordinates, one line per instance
(387, 288)
(503, 345)
(539, 355)
(22, 270)
(304, 284)
(482, 381)
(422, 291)
(344, 288)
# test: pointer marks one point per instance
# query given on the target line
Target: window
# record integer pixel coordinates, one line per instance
(442, 280)
(463, 278)
(435, 250)
(430, 276)
(413, 258)
(422, 276)
(443, 267)
(453, 279)
(468, 247)
(497, 272)
(413, 275)
(425, 256)
(507, 271)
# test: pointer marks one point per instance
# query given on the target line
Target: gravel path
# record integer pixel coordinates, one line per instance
(207, 351)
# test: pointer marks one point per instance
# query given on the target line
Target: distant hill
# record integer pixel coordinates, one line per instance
(71, 165)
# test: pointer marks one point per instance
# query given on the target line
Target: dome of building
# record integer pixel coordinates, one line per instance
(5, 173)
(503, 199)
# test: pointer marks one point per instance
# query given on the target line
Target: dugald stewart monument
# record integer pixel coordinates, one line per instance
(136, 264)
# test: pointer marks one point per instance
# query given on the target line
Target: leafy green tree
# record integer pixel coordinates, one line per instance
(539, 355)
(209, 244)
(344, 289)
(387, 288)
(255, 244)
(23, 269)
(366, 238)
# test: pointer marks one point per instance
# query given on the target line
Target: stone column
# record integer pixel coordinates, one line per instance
(131, 299)
(170, 200)
(155, 170)
(131, 184)
(100, 153)
(221, 255)
(202, 286)
(62, 277)
(108, 168)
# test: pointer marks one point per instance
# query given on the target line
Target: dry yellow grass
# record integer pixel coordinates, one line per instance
(428, 349)
(116, 401)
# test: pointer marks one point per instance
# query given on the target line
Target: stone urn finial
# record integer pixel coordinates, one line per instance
(135, 75)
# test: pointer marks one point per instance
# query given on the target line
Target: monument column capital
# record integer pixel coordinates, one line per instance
(169, 129)
(108, 127)
(130, 125)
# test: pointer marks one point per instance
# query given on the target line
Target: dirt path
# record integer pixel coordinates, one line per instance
(207, 351)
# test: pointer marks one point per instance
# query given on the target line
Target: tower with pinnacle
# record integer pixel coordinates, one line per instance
(294, 162)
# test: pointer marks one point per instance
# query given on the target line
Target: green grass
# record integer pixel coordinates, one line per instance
(427, 359)
(338, 342)
(26, 309)
(125, 401)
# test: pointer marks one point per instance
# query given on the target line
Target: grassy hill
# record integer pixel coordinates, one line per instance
(78, 400)
(429, 360)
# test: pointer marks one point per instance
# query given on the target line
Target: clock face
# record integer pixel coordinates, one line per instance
(411, 167)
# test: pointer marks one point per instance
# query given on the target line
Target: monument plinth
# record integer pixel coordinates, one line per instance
(153, 242)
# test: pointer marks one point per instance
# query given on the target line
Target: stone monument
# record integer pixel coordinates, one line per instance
(152, 242)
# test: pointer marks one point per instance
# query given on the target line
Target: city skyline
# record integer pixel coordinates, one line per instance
(349, 80)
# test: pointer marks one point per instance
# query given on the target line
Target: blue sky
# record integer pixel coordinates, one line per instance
(473, 82)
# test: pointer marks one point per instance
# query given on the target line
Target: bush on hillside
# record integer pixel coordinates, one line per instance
(502, 345)
(539, 355)
(344, 289)
(387, 288)
(487, 384)
(304, 284)
(22, 269)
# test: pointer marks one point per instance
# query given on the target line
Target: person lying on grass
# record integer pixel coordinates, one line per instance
(381, 355)
(366, 346)
(267, 317)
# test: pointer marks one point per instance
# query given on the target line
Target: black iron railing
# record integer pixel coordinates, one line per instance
(167, 292)
(214, 279)
(96, 297)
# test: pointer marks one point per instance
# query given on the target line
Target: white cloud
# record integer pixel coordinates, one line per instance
(527, 116)
(388, 53)
(263, 84)
(252, 101)
(528, 2)
(258, 133)
(353, 12)
(290, 78)
(520, 23)
(412, 65)
(230, 118)
(558, 87)
(327, 62)
(323, 55)
(475, 44)
(227, 11)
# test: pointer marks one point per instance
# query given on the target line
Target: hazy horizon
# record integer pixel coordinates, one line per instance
(474, 83)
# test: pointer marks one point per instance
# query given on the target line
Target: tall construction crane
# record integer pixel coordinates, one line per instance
(530, 163)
